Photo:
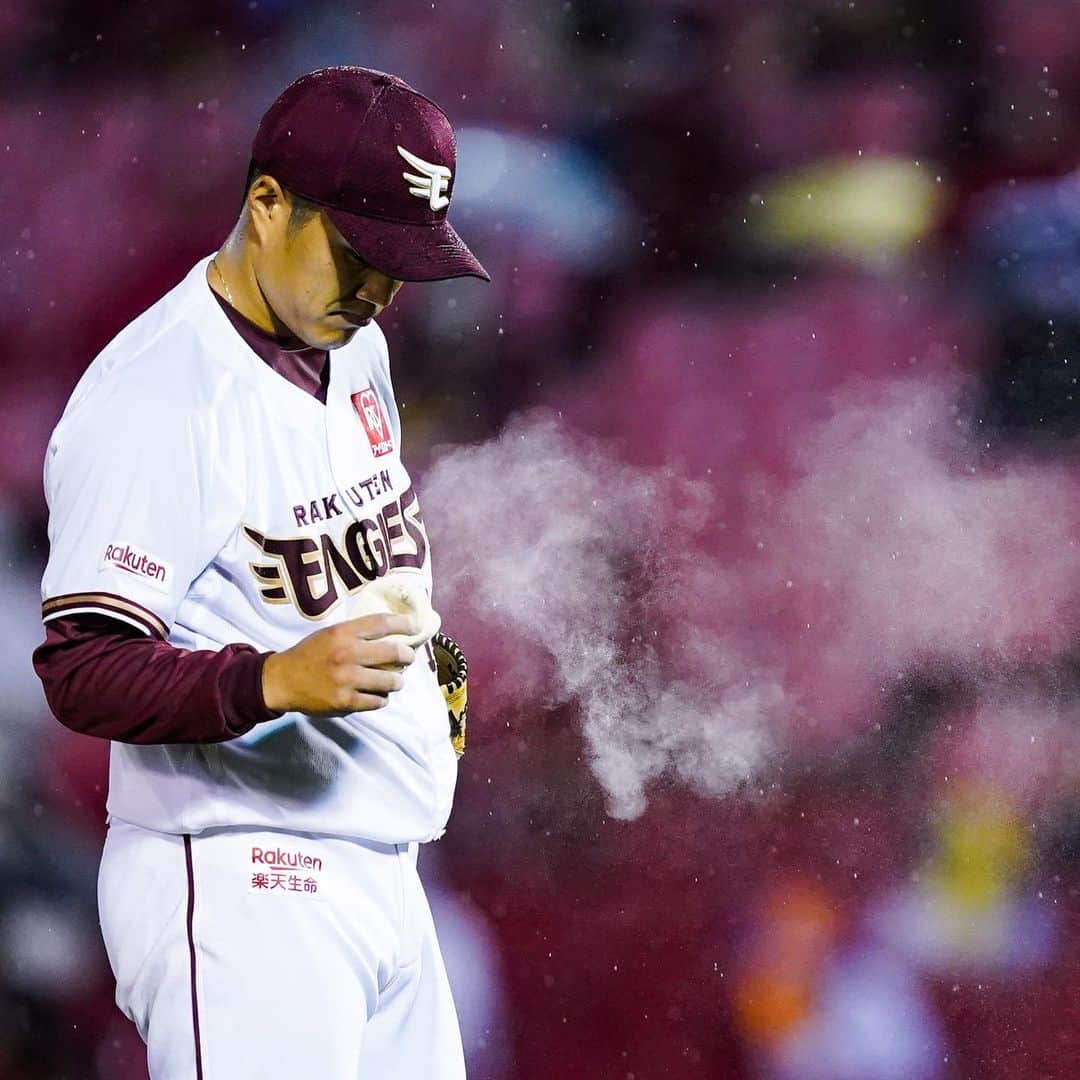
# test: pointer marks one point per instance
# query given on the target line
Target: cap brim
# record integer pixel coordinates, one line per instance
(408, 252)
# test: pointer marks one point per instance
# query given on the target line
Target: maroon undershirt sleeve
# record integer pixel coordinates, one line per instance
(104, 678)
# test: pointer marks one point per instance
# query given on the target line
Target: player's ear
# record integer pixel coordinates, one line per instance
(268, 208)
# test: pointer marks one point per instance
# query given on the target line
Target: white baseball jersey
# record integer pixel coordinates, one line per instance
(198, 495)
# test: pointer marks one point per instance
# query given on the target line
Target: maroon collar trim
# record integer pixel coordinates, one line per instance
(307, 368)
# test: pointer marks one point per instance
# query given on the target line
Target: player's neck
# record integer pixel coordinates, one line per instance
(233, 279)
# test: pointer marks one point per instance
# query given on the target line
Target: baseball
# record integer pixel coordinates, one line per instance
(400, 594)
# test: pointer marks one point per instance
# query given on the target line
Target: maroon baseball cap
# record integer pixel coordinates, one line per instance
(380, 159)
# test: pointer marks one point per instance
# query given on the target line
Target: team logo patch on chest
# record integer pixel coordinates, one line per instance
(373, 416)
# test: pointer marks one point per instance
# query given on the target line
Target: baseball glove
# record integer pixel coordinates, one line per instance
(452, 672)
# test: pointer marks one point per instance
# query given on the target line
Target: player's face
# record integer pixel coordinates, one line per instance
(320, 288)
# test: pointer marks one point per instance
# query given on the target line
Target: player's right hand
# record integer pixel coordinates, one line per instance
(351, 667)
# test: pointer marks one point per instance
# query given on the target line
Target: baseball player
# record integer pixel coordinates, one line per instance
(238, 596)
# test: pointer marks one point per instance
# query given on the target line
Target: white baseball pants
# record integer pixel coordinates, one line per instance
(250, 955)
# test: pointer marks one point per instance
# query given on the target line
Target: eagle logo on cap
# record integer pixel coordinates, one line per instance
(431, 184)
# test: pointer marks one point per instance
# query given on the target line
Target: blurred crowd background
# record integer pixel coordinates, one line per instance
(704, 219)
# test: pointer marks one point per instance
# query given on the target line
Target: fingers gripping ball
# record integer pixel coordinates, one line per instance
(452, 672)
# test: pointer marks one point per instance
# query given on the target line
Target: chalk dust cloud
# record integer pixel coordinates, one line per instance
(694, 641)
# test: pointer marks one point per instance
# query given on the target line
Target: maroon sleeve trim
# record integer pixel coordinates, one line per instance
(105, 604)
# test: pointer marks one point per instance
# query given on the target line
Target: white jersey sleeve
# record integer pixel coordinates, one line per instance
(133, 515)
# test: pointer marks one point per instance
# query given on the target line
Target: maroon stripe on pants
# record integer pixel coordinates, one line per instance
(191, 951)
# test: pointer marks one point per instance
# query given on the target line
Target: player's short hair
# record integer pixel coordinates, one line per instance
(303, 210)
